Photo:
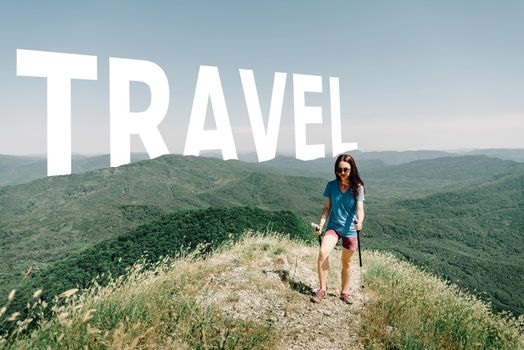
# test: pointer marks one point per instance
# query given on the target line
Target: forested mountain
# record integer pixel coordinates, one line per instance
(461, 217)
(515, 154)
(401, 157)
(420, 177)
(20, 169)
(15, 170)
(425, 177)
(472, 236)
(168, 235)
(51, 218)
(253, 293)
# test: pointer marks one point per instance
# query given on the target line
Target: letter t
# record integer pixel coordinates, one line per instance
(59, 69)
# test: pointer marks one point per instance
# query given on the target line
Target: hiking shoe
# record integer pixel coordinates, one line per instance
(346, 299)
(319, 296)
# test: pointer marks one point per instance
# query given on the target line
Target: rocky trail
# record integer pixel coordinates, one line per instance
(273, 287)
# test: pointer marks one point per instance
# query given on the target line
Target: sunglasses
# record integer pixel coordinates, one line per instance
(342, 170)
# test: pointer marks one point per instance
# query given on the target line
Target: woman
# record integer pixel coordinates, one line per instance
(345, 208)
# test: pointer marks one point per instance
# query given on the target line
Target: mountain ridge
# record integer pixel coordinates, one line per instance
(22, 169)
(255, 294)
(47, 224)
(64, 213)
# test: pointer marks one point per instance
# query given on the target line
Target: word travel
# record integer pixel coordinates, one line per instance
(61, 68)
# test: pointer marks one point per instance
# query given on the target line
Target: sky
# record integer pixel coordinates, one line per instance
(413, 74)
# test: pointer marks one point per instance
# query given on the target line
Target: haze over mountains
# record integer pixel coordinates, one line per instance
(16, 170)
(459, 216)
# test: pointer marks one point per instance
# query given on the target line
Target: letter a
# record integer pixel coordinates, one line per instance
(209, 88)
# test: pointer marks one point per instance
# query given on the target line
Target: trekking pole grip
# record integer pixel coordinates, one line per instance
(317, 228)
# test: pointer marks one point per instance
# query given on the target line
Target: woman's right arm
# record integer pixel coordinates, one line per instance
(325, 213)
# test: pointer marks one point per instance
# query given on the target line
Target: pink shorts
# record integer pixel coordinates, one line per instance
(350, 243)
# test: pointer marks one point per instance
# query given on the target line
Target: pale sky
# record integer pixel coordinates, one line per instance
(413, 74)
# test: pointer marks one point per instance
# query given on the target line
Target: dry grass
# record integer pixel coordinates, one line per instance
(412, 309)
(169, 305)
(151, 308)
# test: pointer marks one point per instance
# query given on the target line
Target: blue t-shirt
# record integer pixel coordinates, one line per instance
(343, 208)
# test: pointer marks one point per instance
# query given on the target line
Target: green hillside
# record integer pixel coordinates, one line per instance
(515, 154)
(322, 167)
(249, 297)
(458, 216)
(458, 169)
(52, 218)
(20, 169)
(400, 157)
(16, 170)
(409, 179)
(168, 235)
(471, 236)
(424, 177)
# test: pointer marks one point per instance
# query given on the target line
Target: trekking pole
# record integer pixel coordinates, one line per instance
(360, 260)
(359, 256)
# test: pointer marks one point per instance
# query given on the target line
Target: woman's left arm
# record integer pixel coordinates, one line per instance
(360, 215)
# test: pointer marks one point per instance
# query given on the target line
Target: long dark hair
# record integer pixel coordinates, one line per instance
(354, 178)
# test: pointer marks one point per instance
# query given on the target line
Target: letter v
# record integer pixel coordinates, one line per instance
(265, 142)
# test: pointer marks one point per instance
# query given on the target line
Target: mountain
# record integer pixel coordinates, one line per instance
(458, 169)
(168, 235)
(255, 295)
(515, 154)
(420, 177)
(435, 212)
(52, 218)
(472, 236)
(82, 164)
(400, 157)
(424, 177)
(323, 167)
(386, 157)
(15, 170)
(20, 169)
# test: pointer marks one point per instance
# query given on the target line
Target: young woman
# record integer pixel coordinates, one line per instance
(345, 208)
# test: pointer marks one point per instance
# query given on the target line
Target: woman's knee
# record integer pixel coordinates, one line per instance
(323, 255)
(346, 258)
(346, 265)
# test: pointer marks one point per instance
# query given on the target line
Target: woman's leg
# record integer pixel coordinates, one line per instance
(346, 270)
(328, 243)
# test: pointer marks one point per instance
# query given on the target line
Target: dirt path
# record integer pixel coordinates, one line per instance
(273, 285)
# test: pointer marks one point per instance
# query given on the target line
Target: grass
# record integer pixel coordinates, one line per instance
(412, 309)
(167, 305)
(153, 308)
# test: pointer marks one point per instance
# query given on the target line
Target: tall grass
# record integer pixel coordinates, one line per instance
(411, 309)
(159, 306)
(153, 308)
